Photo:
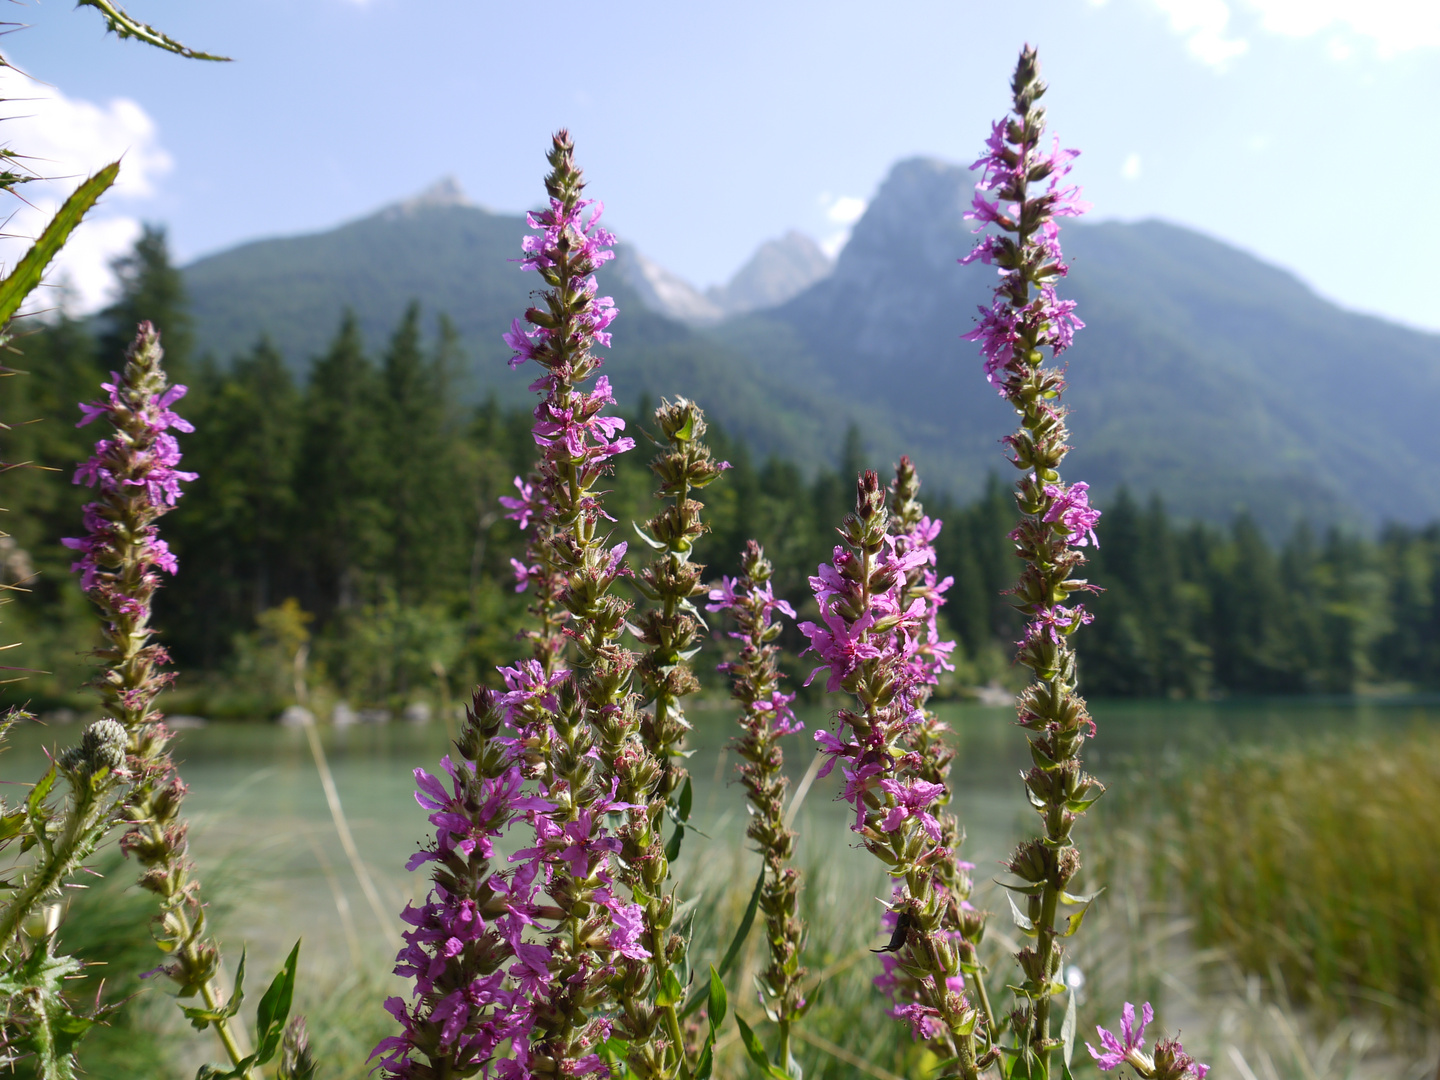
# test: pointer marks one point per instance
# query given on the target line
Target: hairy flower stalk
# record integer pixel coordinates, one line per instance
(870, 639)
(962, 925)
(1021, 192)
(610, 958)
(755, 684)
(670, 629)
(472, 923)
(121, 556)
(547, 637)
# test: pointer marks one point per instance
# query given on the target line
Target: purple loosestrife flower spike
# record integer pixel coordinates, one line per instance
(670, 628)
(587, 958)
(466, 949)
(962, 925)
(1169, 1062)
(1022, 192)
(873, 638)
(755, 685)
(136, 481)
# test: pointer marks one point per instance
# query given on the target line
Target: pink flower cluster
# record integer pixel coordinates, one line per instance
(932, 655)
(459, 1011)
(566, 237)
(1006, 174)
(903, 989)
(753, 603)
(136, 477)
(876, 636)
(1169, 1062)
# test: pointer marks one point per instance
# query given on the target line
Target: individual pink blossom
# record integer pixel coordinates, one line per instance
(531, 503)
(1116, 1052)
(913, 799)
(841, 644)
(1072, 509)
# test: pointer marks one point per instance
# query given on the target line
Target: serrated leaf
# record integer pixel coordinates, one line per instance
(12, 825)
(125, 26)
(274, 1009)
(1022, 921)
(38, 794)
(719, 1001)
(26, 276)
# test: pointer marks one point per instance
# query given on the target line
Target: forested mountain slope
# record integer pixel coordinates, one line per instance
(1202, 372)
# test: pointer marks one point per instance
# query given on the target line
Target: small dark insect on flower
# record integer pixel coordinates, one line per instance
(897, 939)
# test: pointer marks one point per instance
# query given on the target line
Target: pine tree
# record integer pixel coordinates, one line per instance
(340, 480)
(150, 288)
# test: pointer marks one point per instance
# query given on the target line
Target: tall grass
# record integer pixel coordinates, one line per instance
(1319, 865)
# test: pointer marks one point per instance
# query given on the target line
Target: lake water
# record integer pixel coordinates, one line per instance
(260, 819)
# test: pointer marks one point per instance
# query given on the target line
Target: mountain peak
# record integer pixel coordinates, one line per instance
(443, 193)
(779, 269)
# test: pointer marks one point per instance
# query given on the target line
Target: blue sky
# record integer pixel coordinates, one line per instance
(1301, 130)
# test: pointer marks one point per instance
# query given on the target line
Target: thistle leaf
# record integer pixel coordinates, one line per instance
(125, 26)
(24, 279)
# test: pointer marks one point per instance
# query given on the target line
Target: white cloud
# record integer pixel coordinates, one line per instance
(65, 140)
(1391, 26)
(1203, 24)
(1387, 26)
(844, 211)
(1130, 170)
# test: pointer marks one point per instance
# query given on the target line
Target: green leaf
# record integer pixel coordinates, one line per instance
(756, 1049)
(1023, 1066)
(200, 1018)
(1022, 922)
(670, 992)
(125, 26)
(274, 1009)
(655, 545)
(12, 824)
(1065, 1071)
(1076, 901)
(1067, 1031)
(672, 846)
(219, 1072)
(741, 933)
(719, 1002)
(706, 1064)
(40, 792)
(687, 797)
(1024, 890)
(26, 276)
